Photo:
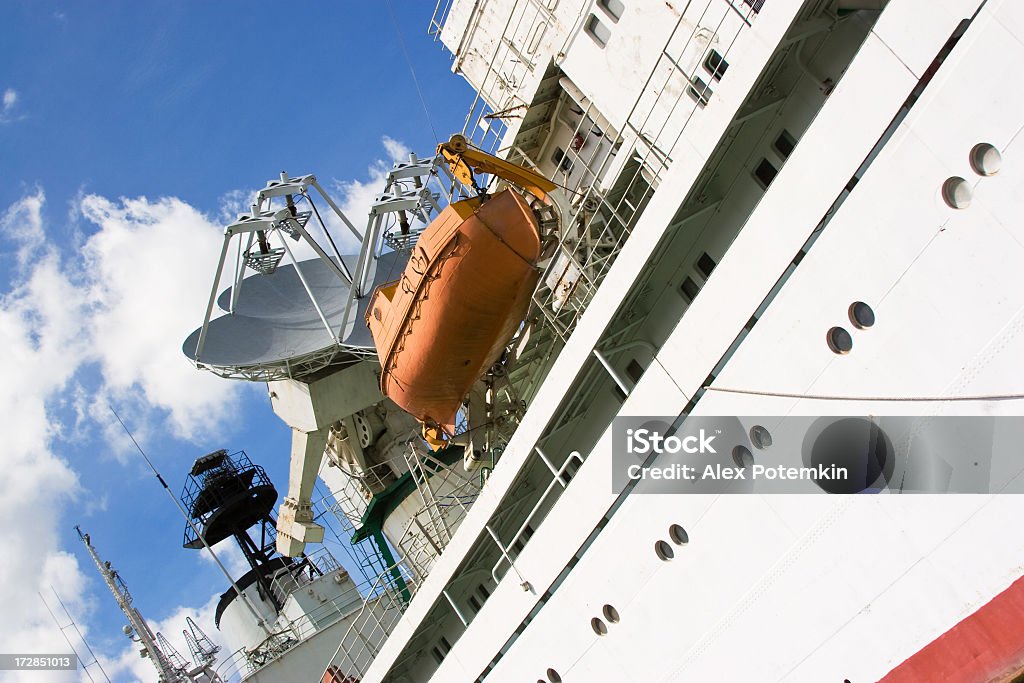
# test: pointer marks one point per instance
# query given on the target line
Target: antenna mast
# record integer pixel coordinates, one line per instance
(137, 624)
(203, 649)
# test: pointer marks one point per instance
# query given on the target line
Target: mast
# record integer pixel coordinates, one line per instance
(136, 623)
(203, 649)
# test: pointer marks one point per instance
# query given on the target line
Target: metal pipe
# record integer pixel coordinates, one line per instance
(613, 372)
(213, 295)
(309, 291)
(455, 607)
(335, 208)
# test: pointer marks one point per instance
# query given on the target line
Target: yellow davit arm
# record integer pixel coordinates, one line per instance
(463, 161)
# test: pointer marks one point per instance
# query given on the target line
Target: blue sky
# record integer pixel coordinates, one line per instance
(129, 133)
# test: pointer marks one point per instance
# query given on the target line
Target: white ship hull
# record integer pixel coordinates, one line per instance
(773, 588)
(740, 176)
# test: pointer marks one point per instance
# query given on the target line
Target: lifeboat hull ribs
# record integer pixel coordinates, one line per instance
(461, 298)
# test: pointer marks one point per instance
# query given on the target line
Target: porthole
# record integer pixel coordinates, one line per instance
(611, 614)
(678, 535)
(553, 676)
(839, 340)
(957, 192)
(861, 315)
(664, 551)
(760, 437)
(742, 456)
(598, 626)
(986, 159)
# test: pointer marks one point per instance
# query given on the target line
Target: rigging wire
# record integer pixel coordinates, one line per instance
(889, 399)
(412, 70)
(191, 523)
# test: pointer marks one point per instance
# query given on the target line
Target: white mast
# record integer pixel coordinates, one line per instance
(136, 623)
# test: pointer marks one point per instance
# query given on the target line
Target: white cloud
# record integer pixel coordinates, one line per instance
(135, 288)
(41, 337)
(129, 663)
(8, 104)
(57, 318)
(354, 198)
(359, 195)
(22, 223)
(230, 556)
(398, 151)
(151, 266)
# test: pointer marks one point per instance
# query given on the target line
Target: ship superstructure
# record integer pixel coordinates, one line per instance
(768, 207)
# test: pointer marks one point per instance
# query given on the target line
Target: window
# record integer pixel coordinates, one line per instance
(689, 289)
(563, 162)
(755, 5)
(784, 144)
(706, 264)
(634, 370)
(716, 65)
(523, 539)
(474, 603)
(765, 173)
(613, 8)
(597, 31)
(699, 91)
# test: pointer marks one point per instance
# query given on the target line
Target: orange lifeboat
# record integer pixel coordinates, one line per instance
(463, 294)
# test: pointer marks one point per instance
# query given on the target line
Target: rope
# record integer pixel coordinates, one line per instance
(415, 80)
(889, 399)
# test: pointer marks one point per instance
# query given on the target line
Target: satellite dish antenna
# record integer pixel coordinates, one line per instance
(291, 318)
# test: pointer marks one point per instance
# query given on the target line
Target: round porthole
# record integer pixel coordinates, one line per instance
(986, 159)
(760, 437)
(611, 614)
(839, 340)
(861, 315)
(957, 192)
(553, 676)
(598, 626)
(664, 551)
(678, 535)
(742, 456)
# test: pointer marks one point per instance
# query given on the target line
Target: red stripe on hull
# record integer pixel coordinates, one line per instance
(985, 647)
